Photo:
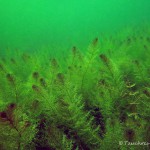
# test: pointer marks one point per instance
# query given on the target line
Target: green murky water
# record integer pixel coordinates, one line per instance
(36, 23)
(74, 75)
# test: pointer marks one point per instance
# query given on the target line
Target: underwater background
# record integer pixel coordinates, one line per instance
(74, 75)
(36, 23)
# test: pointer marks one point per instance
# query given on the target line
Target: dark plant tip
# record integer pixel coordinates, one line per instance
(36, 88)
(27, 124)
(69, 67)
(95, 41)
(141, 37)
(3, 59)
(12, 106)
(60, 77)
(13, 61)
(54, 62)
(3, 115)
(35, 104)
(2, 67)
(136, 62)
(129, 134)
(42, 82)
(147, 93)
(74, 50)
(10, 78)
(148, 39)
(25, 57)
(104, 58)
(102, 82)
(133, 107)
(128, 40)
(35, 75)
(145, 47)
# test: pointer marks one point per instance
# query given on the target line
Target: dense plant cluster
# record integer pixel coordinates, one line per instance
(86, 101)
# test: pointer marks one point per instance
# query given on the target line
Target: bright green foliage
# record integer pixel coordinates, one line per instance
(86, 101)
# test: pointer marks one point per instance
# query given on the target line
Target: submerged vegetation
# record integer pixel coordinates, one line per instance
(87, 101)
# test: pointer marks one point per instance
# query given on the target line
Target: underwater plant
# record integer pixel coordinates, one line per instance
(88, 101)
